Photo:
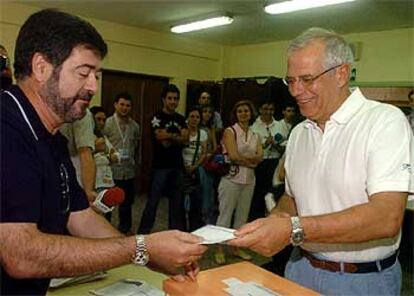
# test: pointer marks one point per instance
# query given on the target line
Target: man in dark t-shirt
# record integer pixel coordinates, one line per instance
(169, 135)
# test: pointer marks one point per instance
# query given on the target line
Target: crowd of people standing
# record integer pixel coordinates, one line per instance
(181, 145)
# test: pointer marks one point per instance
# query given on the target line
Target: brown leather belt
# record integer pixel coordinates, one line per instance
(365, 267)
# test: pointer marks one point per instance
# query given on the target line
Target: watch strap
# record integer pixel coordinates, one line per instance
(141, 252)
(298, 236)
(295, 222)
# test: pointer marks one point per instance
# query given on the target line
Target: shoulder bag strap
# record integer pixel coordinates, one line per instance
(197, 147)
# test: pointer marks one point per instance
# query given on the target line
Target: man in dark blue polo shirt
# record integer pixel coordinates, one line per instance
(57, 60)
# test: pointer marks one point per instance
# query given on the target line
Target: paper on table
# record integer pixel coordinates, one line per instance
(251, 288)
(214, 234)
(128, 287)
(63, 282)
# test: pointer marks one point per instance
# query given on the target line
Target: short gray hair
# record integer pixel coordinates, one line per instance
(337, 50)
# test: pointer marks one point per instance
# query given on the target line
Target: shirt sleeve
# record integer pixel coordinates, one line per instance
(83, 132)
(203, 135)
(218, 123)
(390, 155)
(157, 123)
(182, 122)
(21, 184)
(137, 133)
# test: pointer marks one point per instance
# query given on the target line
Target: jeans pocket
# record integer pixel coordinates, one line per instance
(390, 281)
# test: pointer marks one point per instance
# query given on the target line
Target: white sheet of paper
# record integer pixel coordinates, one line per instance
(213, 234)
(232, 281)
(251, 288)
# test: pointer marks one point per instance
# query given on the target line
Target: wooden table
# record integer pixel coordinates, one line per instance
(128, 271)
(209, 282)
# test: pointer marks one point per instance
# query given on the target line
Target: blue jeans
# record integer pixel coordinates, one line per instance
(385, 282)
(169, 182)
(207, 195)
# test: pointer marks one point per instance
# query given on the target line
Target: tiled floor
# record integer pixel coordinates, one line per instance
(208, 262)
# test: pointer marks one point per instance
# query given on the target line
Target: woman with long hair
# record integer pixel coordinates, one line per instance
(193, 156)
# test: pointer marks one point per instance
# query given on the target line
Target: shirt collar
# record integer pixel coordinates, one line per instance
(350, 107)
(346, 111)
(30, 112)
(261, 122)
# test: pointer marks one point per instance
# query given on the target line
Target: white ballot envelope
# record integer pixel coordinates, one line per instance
(213, 234)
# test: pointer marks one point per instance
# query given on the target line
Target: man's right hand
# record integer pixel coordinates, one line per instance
(170, 250)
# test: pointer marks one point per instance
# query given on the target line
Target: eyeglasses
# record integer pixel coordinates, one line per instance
(64, 184)
(306, 80)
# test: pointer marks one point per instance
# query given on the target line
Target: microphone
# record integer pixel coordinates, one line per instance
(278, 138)
(109, 198)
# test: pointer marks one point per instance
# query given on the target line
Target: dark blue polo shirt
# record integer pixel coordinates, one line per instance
(38, 181)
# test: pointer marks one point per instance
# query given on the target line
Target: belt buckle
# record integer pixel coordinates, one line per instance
(350, 267)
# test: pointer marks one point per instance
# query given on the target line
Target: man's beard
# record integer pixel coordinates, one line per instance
(64, 107)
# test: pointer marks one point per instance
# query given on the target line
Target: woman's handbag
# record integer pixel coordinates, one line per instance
(216, 164)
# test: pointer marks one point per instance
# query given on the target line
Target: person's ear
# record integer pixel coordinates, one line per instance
(41, 68)
(343, 73)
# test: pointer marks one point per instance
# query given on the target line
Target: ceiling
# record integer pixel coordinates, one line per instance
(251, 24)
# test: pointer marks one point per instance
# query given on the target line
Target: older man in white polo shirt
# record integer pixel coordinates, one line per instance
(349, 169)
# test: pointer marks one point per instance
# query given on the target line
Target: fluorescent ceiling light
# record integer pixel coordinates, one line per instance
(203, 24)
(294, 5)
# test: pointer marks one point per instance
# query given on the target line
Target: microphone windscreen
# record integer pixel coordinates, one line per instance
(113, 196)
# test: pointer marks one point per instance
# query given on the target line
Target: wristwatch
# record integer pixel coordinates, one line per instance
(298, 235)
(141, 252)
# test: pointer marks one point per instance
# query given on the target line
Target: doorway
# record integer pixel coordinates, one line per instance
(145, 91)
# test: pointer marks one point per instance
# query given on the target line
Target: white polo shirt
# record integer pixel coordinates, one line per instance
(264, 131)
(367, 147)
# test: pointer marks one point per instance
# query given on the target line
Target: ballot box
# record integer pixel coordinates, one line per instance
(213, 282)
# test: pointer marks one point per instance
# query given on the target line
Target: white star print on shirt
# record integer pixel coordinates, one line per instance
(155, 122)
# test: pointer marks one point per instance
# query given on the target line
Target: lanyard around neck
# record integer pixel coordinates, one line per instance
(124, 135)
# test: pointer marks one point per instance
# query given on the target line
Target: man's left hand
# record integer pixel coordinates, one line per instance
(92, 195)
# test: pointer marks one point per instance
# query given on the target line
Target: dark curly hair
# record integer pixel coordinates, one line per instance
(169, 88)
(123, 95)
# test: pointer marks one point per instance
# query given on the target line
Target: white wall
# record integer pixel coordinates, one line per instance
(387, 57)
(135, 50)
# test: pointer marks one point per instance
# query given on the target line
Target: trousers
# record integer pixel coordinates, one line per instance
(234, 199)
(385, 282)
(170, 182)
